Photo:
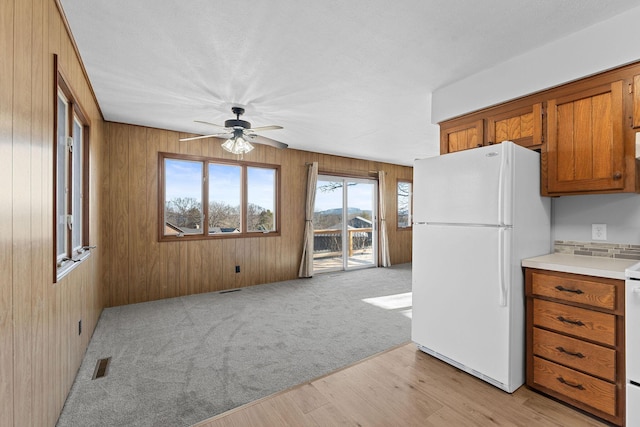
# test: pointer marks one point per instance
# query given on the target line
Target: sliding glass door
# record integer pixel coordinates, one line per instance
(345, 231)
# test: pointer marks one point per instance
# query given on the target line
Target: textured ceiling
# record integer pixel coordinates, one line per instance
(348, 77)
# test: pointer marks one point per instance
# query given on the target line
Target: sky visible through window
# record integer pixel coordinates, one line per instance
(224, 184)
(183, 179)
(360, 196)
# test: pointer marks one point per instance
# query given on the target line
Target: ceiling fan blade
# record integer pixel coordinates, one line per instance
(215, 135)
(258, 139)
(272, 127)
(209, 123)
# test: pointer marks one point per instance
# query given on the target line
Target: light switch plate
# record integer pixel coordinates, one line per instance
(599, 231)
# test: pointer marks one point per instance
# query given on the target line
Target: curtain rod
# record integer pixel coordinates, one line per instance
(337, 171)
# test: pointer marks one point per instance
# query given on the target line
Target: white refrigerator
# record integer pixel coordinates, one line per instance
(477, 214)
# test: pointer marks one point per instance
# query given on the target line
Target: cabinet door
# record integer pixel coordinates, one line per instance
(585, 144)
(461, 137)
(522, 126)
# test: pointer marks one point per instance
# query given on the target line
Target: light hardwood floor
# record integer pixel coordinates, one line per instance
(402, 386)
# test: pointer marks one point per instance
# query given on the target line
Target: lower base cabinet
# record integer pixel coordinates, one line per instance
(575, 341)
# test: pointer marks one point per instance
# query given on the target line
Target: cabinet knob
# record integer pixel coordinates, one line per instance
(479, 145)
(617, 176)
(490, 142)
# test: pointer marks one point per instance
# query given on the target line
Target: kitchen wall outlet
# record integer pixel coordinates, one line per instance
(237, 269)
(599, 231)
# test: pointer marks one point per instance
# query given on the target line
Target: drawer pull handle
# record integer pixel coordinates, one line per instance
(563, 289)
(572, 322)
(562, 350)
(565, 382)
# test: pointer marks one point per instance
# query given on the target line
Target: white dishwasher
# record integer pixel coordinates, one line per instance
(632, 333)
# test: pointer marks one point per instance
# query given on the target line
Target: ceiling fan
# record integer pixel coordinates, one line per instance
(239, 134)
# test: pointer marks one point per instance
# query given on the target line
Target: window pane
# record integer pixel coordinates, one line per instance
(404, 204)
(327, 225)
(183, 197)
(261, 199)
(61, 173)
(225, 190)
(76, 190)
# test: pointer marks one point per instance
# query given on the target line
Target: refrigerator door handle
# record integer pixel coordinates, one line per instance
(503, 266)
(501, 183)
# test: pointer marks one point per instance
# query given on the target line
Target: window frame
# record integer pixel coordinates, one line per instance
(205, 235)
(410, 219)
(67, 260)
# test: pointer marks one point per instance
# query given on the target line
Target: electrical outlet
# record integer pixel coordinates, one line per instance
(599, 231)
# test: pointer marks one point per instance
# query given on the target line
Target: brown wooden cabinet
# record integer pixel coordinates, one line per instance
(585, 131)
(522, 125)
(585, 141)
(462, 136)
(575, 340)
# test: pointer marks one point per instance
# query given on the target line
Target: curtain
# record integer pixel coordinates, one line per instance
(384, 238)
(306, 264)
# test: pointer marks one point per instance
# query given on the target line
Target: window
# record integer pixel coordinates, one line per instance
(404, 203)
(71, 179)
(211, 198)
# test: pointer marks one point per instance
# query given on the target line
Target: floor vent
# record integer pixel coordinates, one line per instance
(229, 291)
(101, 368)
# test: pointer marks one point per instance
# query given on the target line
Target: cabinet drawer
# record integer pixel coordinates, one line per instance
(575, 290)
(583, 356)
(591, 391)
(592, 325)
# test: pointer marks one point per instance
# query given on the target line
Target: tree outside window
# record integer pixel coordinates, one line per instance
(241, 197)
(404, 203)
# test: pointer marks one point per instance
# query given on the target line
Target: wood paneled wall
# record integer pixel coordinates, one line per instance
(139, 268)
(40, 348)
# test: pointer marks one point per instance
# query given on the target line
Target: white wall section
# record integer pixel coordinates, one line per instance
(602, 46)
(572, 217)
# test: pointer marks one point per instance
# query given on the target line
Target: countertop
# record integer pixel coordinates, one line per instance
(612, 268)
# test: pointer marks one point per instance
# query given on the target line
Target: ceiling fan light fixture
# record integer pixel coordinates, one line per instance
(237, 145)
(239, 133)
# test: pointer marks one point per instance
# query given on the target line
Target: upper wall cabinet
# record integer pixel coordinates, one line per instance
(462, 136)
(585, 143)
(584, 130)
(521, 125)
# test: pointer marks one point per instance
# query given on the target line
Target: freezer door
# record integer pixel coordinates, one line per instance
(466, 187)
(463, 304)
